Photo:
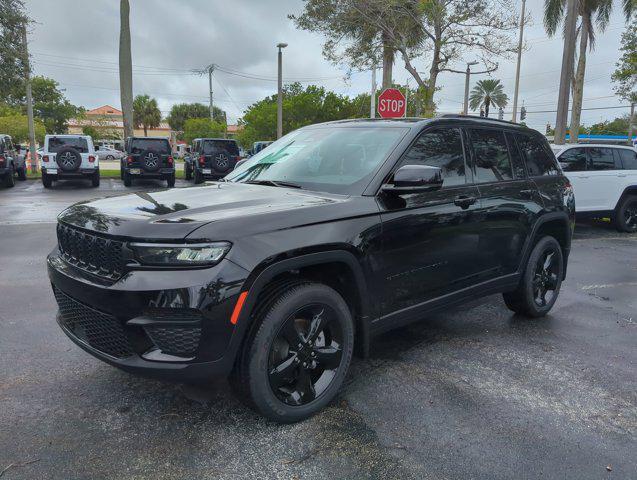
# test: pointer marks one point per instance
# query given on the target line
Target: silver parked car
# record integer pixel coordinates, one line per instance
(109, 153)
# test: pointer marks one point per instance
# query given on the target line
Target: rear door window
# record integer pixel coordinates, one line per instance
(440, 148)
(58, 143)
(573, 160)
(215, 146)
(517, 162)
(159, 145)
(539, 158)
(601, 159)
(491, 156)
(628, 158)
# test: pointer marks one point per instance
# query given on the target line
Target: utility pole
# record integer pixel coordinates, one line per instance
(27, 75)
(568, 55)
(517, 71)
(630, 124)
(211, 70)
(372, 100)
(279, 100)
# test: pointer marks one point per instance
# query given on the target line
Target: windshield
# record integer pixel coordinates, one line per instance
(160, 145)
(330, 159)
(57, 143)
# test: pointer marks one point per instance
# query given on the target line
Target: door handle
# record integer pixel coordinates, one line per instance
(464, 201)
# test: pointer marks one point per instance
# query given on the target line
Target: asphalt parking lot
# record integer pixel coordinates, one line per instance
(473, 392)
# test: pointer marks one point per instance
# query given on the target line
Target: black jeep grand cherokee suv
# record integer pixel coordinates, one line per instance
(147, 157)
(331, 235)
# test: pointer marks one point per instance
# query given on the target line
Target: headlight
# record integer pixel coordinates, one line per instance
(196, 254)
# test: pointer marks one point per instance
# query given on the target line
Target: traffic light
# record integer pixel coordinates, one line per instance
(501, 114)
(523, 113)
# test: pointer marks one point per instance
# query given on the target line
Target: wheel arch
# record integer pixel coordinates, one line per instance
(346, 276)
(630, 190)
(556, 224)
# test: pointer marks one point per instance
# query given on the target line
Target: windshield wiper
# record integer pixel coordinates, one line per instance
(274, 183)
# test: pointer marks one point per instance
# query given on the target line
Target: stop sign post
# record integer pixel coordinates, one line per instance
(392, 103)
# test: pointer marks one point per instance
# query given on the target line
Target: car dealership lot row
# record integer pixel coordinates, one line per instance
(470, 392)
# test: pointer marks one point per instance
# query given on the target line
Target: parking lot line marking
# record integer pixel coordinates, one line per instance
(609, 285)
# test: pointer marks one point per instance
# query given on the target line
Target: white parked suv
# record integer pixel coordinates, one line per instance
(68, 157)
(604, 179)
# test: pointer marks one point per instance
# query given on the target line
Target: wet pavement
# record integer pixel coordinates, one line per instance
(473, 392)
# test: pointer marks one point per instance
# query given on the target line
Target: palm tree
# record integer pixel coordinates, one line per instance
(146, 113)
(590, 13)
(125, 68)
(486, 93)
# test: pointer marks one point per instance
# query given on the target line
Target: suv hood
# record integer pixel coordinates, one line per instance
(176, 213)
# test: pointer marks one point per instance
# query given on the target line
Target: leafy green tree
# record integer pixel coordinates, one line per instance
(50, 105)
(13, 20)
(146, 113)
(18, 127)
(181, 112)
(202, 128)
(625, 75)
(486, 93)
(618, 126)
(591, 13)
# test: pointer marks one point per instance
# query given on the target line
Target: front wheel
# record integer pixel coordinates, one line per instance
(541, 280)
(297, 357)
(626, 216)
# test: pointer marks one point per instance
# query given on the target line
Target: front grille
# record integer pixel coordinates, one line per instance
(101, 331)
(99, 255)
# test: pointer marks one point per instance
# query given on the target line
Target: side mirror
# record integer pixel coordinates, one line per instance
(415, 179)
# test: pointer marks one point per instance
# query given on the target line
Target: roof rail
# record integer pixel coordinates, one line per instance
(475, 117)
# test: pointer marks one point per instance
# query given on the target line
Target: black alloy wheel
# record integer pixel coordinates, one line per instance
(541, 280)
(298, 350)
(305, 355)
(626, 215)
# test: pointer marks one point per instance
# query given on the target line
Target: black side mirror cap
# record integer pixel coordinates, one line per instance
(415, 179)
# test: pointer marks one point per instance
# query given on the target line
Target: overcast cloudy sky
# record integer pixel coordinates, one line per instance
(76, 43)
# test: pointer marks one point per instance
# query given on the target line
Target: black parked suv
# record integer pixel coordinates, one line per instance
(11, 162)
(211, 158)
(147, 157)
(333, 234)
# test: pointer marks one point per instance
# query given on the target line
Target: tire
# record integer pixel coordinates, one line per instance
(626, 215)
(22, 173)
(187, 172)
(540, 274)
(9, 178)
(150, 161)
(46, 180)
(121, 173)
(95, 179)
(110, 157)
(286, 397)
(170, 181)
(198, 177)
(68, 159)
(128, 181)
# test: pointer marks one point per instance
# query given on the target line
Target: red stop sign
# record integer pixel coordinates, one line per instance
(392, 104)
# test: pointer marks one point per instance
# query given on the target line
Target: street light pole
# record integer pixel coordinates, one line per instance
(372, 97)
(279, 102)
(568, 55)
(211, 69)
(27, 74)
(465, 110)
(517, 71)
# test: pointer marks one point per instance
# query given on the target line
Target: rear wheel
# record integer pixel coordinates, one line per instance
(128, 181)
(9, 180)
(198, 176)
(298, 354)
(541, 280)
(22, 173)
(47, 181)
(170, 181)
(626, 214)
(187, 172)
(95, 179)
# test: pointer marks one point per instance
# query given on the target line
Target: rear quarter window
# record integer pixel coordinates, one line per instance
(58, 143)
(628, 159)
(159, 145)
(539, 158)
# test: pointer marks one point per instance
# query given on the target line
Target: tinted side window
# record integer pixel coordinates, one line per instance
(628, 158)
(516, 159)
(601, 159)
(538, 160)
(440, 148)
(491, 156)
(573, 160)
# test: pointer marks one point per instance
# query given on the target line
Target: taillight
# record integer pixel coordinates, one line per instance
(129, 159)
(91, 158)
(2, 160)
(170, 160)
(202, 160)
(45, 158)
(237, 158)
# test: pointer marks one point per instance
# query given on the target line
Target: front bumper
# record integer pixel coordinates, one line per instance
(167, 324)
